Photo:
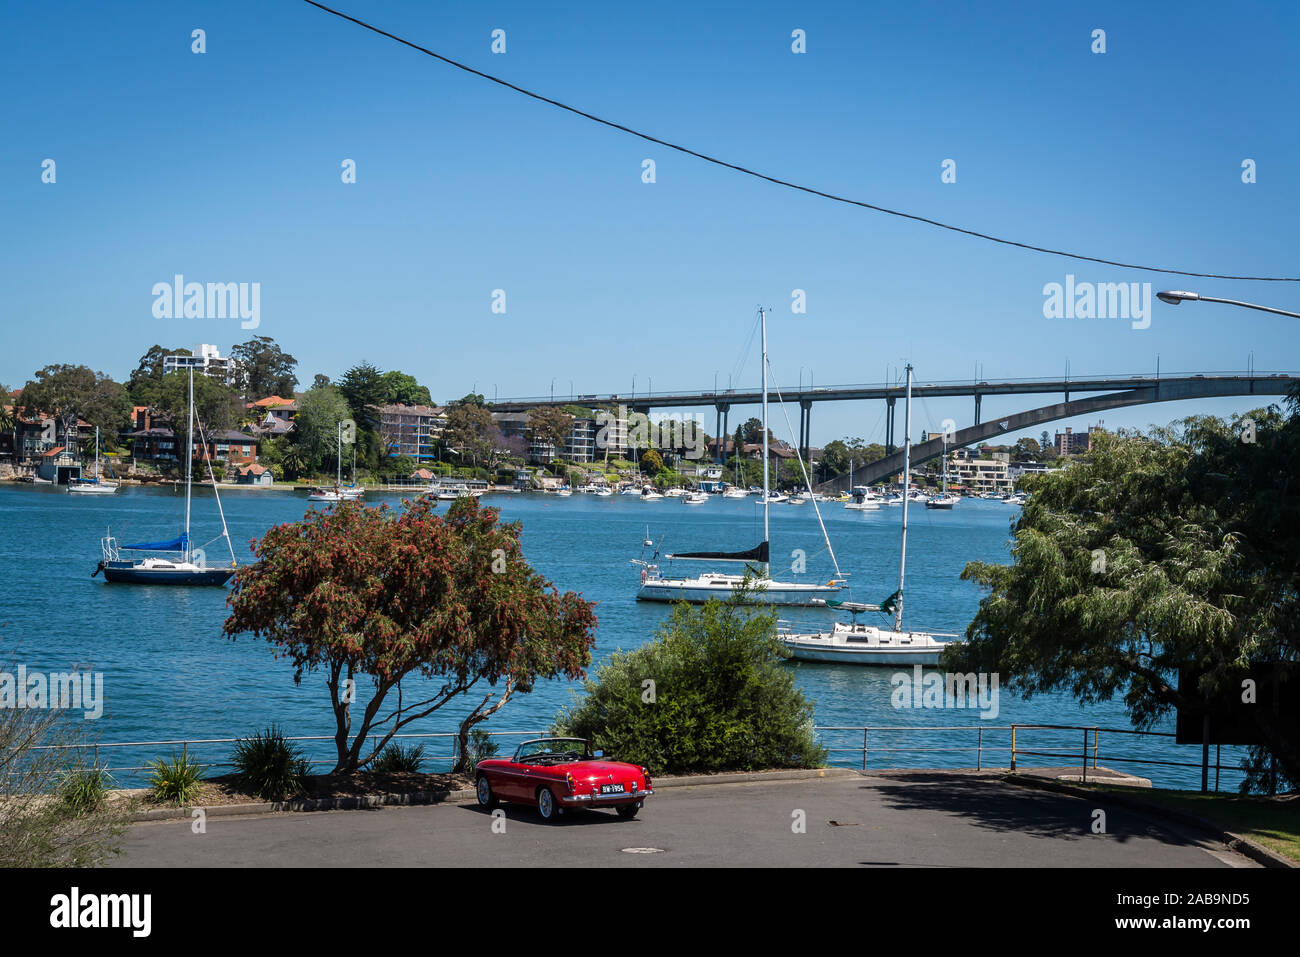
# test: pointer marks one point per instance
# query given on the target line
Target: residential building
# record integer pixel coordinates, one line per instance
(981, 474)
(208, 360)
(412, 430)
(580, 446)
(255, 475)
(1070, 442)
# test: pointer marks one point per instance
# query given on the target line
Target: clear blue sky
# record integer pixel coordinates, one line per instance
(225, 167)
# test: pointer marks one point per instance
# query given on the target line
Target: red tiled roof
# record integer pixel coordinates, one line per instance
(253, 470)
(54, 451)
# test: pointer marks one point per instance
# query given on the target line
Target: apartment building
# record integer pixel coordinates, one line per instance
(206, 359)
(412, 430)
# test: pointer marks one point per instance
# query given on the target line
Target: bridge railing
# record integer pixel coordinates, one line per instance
(709, 396)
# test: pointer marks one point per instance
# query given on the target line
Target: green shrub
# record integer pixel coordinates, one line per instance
(177, 780)
(270, 765)
(395, 759)
(481, 746)
(83, 790)
(723, 699)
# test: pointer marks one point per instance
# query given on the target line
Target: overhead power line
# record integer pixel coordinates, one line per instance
(781, 182)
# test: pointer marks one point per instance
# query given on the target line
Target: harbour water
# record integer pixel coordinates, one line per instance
(170, 675)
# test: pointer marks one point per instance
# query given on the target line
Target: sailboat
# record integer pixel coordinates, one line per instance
(861, 644)
(96, 485)
(338, 493)
(702, 588)
(944, 499)
(191, 568)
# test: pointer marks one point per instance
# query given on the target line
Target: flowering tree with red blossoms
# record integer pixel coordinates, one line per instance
(382, 596)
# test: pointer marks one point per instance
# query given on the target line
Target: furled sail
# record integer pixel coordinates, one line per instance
(175, 545)
(758, 553)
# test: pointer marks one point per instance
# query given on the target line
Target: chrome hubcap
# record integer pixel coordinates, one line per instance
(544, 804)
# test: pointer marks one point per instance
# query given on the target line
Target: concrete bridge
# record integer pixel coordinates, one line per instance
(1103, 392)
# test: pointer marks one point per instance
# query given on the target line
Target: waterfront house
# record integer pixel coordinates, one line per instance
(255, 475)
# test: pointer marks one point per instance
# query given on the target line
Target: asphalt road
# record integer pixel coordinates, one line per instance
(933, 820)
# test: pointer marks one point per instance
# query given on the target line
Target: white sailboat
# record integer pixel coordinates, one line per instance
(339, 493)
(192, 567)
(701, 588)
(945, 499)
(96, 485)
(862, 644)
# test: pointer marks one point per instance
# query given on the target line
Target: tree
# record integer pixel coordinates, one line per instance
(472, 432)
(1026, 450)
(69, 392)
(1176, 548)
(721, 697)
(652, 463)
(404, 390)
(752, 431)
(430, 608)
(315, 428)
(363, 388)
(319, 380)
(216, 405)
(264, 370)
(551, 426)
(146, 381)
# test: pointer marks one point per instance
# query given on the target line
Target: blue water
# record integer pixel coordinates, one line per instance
(169, 674)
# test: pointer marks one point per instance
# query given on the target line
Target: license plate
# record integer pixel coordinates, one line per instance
(612, 789)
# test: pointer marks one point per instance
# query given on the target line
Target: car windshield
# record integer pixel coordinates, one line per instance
(546, 750)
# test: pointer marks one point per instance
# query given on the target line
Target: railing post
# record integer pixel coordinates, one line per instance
(1085, 756)
(979, 749)
(1096, 733)
(864, 749)
(1013, 747)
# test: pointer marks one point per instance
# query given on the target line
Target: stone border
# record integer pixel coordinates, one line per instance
(1234, 842)
(440, 797)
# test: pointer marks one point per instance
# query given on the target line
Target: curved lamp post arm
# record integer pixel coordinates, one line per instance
(1175, 296)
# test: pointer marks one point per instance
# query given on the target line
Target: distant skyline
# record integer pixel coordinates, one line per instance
(229, 166)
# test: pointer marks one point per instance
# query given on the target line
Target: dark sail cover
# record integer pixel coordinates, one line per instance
(756, 554)
(175, 545)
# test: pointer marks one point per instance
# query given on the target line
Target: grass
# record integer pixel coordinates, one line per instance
(1271, 822)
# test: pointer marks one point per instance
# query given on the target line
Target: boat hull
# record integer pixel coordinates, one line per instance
(698, 594)
(128, 573)
(890, 657)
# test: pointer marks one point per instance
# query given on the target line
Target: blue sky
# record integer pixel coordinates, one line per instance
(225, 167)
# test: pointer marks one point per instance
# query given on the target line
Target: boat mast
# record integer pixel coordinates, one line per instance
(766, 494)
(189, 465)
(338, 457)
(907, 481)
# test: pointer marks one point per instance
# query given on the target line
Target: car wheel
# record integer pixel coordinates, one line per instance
(547, 806)
(627, 811)
(483, 791)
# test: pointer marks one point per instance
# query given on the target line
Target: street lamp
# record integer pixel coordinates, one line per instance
(1176, 296)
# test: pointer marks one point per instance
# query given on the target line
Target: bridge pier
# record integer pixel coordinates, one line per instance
(977, 408)
(889, 425)
(723, 408)
(805, 432)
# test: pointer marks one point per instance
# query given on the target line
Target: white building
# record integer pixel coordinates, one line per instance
(206, 359)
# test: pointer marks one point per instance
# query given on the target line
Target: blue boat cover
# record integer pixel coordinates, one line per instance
(175, 545)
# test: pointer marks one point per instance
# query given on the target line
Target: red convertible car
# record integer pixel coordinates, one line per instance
(555, 774)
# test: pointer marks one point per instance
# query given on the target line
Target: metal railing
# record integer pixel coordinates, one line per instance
(187, 744)
(1085, 754)
(987, 739)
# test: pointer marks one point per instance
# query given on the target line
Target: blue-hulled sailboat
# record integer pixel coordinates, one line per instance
(189, 566)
